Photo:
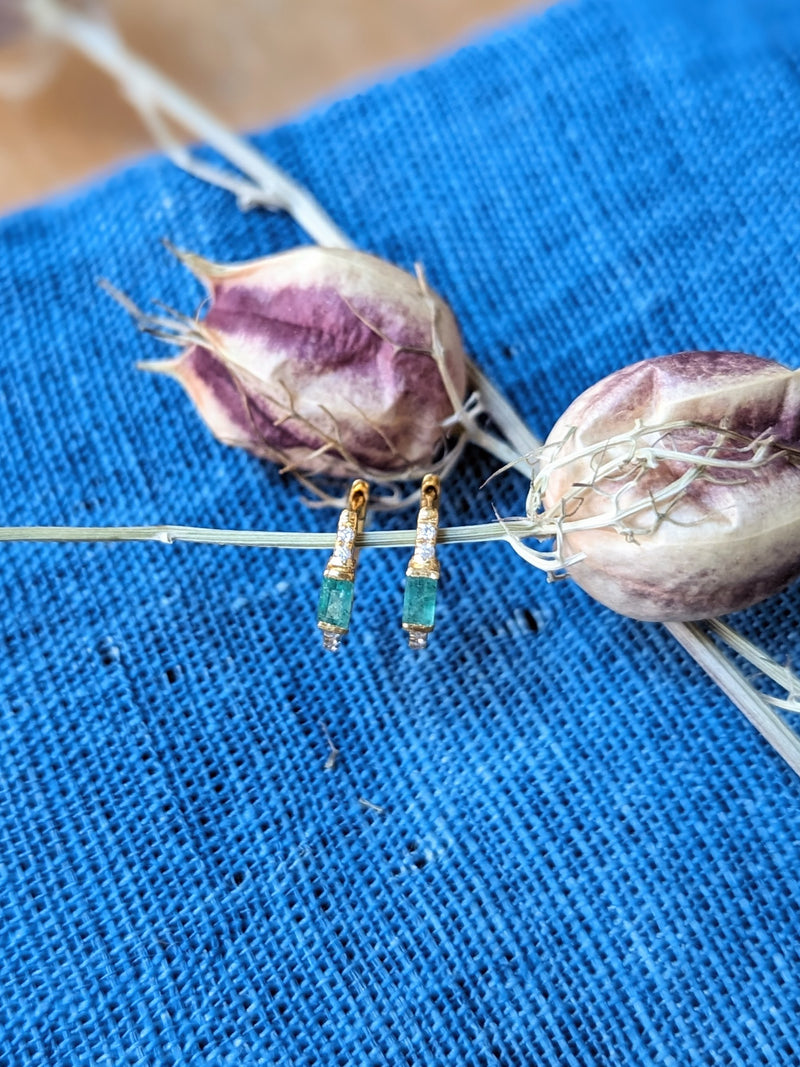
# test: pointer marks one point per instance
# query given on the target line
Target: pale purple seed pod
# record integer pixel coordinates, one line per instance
(674, 484)
(323, 361)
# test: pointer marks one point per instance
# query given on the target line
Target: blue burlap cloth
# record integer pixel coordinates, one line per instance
(583, 854)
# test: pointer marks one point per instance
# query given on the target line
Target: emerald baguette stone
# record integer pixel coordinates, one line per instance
(335, 603)
(419, 602)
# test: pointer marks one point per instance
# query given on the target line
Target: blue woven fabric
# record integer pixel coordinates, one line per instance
(579, 851)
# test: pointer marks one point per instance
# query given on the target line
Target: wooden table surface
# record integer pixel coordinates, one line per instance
(254, 62)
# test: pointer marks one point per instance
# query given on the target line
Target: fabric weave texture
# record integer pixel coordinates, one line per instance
(574, 850)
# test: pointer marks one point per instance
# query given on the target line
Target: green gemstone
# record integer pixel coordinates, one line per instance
(335, 603)
(419, 602)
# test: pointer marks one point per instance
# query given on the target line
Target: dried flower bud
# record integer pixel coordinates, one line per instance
(321, 360)
(676, 483)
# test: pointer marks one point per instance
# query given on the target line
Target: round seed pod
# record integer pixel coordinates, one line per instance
(321, 360)
(674, 485)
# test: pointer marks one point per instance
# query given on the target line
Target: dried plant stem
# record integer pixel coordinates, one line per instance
(766, 665)
(167, 535)
(155, 97)
(495, 446)
(503, 414)
(753, 705)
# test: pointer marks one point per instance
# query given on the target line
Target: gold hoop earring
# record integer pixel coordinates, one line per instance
(422, 573)
(338, 581)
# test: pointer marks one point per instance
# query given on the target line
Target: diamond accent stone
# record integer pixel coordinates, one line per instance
(427, 531)
(425, 552)
(347, 534)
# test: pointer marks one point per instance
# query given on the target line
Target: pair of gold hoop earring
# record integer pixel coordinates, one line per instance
(422, 574)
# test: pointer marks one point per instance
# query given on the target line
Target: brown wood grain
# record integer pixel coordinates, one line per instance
(253, 62)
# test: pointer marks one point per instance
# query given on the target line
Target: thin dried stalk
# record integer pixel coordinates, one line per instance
(156, 99)
(753, 705)
(167, 535)
(766, 665)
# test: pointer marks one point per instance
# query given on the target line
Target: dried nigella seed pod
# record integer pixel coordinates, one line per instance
(672, 486)
(322, 360)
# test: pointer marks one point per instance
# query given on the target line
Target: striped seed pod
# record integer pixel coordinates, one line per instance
(672, 487)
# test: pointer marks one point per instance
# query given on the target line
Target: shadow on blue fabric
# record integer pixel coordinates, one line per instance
(578, 852)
